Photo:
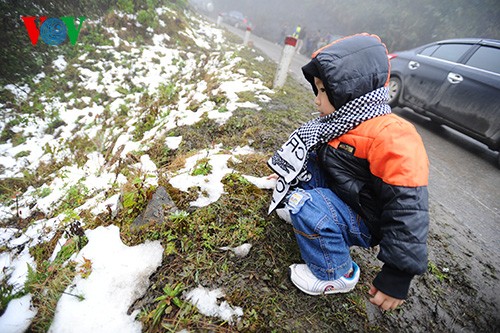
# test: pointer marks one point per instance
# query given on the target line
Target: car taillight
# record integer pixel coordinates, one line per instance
(392, 56)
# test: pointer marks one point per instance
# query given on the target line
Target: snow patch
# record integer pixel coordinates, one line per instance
(119, 276)
(207, 302)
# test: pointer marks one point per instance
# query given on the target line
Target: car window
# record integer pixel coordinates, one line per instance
(487, 58)
(451, 52)
(428, 50)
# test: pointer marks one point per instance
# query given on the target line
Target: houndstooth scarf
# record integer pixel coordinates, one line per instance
(289, 162)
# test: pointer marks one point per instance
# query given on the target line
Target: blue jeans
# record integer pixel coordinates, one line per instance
(325, 227)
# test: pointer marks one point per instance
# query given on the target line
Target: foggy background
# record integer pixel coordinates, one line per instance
(402, 24)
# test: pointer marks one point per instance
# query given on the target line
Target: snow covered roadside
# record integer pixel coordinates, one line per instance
(119, 273)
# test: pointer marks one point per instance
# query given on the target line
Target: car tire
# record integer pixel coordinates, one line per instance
(394, 91)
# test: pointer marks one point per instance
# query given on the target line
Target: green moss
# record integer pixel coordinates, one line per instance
(202, 168)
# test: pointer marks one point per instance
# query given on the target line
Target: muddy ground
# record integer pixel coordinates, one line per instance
(460, 291)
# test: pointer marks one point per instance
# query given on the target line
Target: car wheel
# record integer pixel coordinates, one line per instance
(394, 91)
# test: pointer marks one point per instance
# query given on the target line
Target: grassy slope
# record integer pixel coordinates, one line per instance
(258, 283)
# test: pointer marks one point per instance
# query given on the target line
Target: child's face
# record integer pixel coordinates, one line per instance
(322, 102)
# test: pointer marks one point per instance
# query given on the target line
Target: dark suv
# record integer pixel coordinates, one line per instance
(454, 82)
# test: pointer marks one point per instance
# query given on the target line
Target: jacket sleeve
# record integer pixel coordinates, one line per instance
(400, 166)
(403, 232)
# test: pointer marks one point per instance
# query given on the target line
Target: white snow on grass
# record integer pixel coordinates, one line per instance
(120, 275)
(124, 73)
(240, 251)
(210, 184)
(18, 315)
(261, 182)
(207, 302)
(60, 64)
(19, 92)
(173, 142)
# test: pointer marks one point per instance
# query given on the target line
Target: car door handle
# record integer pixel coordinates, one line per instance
(413, 65)
(455, 78)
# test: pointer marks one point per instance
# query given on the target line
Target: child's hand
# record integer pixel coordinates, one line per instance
(383, 301)
(273, 176)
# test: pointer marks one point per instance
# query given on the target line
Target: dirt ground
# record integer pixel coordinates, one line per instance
(459, 293)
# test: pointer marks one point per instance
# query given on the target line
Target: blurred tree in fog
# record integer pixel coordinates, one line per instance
(401, 24)
(20, 59)
(17, 54)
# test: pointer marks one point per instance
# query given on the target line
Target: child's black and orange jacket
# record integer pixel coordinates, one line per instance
(379, 168)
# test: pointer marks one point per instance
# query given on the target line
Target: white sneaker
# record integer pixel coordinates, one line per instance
(304, 279)
(284, 214)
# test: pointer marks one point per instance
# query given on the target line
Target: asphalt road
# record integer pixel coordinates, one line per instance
(464, 177)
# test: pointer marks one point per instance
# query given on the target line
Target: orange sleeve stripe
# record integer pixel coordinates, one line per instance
(401, 162)
(393, 148)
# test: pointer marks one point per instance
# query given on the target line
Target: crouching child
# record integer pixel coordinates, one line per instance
(356, 175)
